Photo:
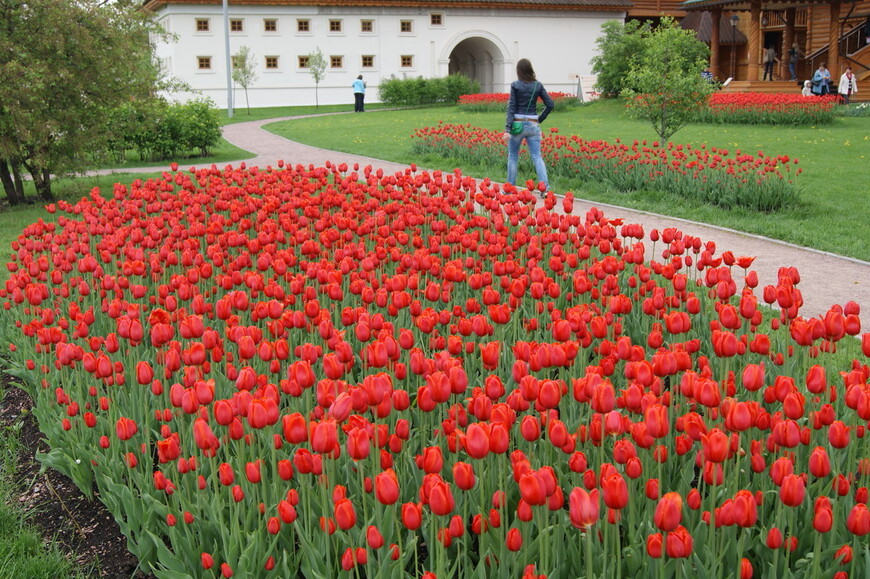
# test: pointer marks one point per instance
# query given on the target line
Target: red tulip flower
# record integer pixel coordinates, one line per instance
(669, 512)
(679, 543)
(583, 507)
(858, 520)
(792, 491)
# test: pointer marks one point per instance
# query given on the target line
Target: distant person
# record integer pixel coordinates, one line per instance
(808, 88)
(707, 75)
(848, 85)
(359, 95)
(822, 81)
(522, 109)
(769, 59)
(794, 54)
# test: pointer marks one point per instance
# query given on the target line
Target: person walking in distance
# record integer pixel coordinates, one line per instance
(359, 94)
(848, 85)
(769, 59)
(523, 123)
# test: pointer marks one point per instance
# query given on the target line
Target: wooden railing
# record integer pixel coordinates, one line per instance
(776, 18)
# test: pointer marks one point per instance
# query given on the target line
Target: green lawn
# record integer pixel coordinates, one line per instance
(832, 215)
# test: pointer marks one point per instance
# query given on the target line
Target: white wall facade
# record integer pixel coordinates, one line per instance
(482, 43)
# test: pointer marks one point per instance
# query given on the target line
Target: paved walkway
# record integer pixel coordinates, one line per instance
(826, 279)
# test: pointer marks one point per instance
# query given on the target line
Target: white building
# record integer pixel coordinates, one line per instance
(482, 39)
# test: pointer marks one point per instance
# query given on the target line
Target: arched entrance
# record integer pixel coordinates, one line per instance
(480, 59)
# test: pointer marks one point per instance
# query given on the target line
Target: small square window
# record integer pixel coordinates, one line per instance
(270, 25)
(303, 26)
(271, 62)
(303, 61)
(368, 61)
(407, 61)
(406, 26)
(367, 26)
(203, 62)
(237, 25)
(436, 20)
(336, 62)
(335, 25)
(202, 25)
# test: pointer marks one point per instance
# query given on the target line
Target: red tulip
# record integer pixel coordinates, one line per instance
(514, 540)
(669, 512)
(715, 445)
(654, 545)
(820, 464)
(412, 516)
(583, 507)
(858, 520)
(463, 476)
(387, 487)
(441, 499)
(344, 513)
(678, 543)
(615, 491)
(823, 515)
(792, 491)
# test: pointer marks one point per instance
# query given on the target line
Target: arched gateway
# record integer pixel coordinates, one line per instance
(481, 57)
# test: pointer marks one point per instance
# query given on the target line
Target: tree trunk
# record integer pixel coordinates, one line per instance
(247, 102)
(42, 182)
(12, 186)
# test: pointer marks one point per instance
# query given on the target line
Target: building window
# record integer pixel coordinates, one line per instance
(237, 25)
(406, 26)
(303, 26)
(271, 62)
(203, 62)
(336, 62)
(368, 61)
(367, 26)
(238, 61)
(202, 25)
(270, 25)
(335, 25)
(303, 61)
(436, 20)
(407, 61)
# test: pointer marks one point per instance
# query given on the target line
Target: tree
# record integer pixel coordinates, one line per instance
(669, 88)
(244, 74)
(64, 66)
(317, 68)
(617, 45)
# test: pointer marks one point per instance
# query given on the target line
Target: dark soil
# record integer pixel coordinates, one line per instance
(79, 525)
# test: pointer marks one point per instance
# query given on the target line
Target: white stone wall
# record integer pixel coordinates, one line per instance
(559, 44)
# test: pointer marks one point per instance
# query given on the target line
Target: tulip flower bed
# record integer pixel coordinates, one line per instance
(716, 176)
(330, 371)
(497, 102)
(773, 109)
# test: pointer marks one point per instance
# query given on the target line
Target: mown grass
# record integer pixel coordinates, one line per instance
(831, 215)
(23, 552)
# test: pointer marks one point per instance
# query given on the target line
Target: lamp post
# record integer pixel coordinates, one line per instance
(229, 60)
(734, 20)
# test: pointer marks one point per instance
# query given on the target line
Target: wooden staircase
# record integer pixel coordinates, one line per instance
(788, 87)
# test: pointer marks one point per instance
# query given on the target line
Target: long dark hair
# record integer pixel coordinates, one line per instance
(525, 71)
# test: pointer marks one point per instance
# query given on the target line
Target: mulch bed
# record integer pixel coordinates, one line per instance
(80, 525)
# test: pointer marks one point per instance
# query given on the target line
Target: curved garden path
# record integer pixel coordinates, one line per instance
(826, 278)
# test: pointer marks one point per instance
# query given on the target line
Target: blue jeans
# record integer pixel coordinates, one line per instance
(532, 135)
(791, 69)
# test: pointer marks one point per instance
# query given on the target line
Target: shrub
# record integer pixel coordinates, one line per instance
(419, 91)
(617, 45)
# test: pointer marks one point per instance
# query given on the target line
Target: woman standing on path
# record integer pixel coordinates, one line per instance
(524, 123)
(359, 94)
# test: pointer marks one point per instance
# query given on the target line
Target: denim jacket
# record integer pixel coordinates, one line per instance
(521, 95)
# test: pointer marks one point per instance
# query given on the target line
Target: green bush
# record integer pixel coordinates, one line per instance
(415, 92)
(158, 130)
(618, 45)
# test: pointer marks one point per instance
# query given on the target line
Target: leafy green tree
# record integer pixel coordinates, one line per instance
(64, 66)
(618, 44)
(244, 73)
(668, 87)
(317, 68)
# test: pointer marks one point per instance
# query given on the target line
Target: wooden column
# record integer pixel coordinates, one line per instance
(787, 41)
(715, 19)
(754, 56)
(834, 41)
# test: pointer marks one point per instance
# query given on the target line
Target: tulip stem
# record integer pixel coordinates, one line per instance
(588, 553)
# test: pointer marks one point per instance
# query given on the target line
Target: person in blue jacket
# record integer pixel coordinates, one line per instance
(359, 94)
(822, 81)
(522, 107)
